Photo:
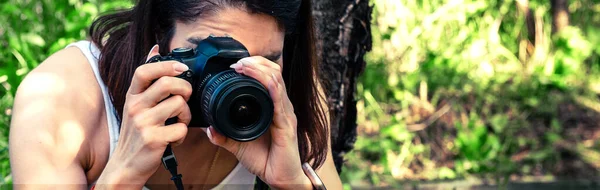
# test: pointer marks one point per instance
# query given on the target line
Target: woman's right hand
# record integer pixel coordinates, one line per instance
(144, 136)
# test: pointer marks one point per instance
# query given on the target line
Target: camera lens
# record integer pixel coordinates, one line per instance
(244, 111)
(237, 106)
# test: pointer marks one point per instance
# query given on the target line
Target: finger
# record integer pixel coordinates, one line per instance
(259, 63)
(175, 106)
(166, 86)
(261, 73)
(276, 91)
(153, 52)
(174, 133)
(220, 140)
(278, 96)
(263, 70)
(259, 60)
(289, 107)
(145, 74)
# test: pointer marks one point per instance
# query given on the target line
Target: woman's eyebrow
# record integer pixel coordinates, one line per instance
(272, 56)
(195, 40)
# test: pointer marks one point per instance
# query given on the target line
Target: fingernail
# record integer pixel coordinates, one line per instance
(247, 60)
(180, 67)
(208, 133)
(236, 66)
(151, 50)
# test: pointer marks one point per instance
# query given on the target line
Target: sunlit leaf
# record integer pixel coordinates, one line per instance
(446, 173)
(498, 122)
(398, 132)
(34, 39)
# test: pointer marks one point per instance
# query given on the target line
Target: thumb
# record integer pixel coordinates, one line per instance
(153, 52)
(220, 140)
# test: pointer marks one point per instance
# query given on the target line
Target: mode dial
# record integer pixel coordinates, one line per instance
(183, 52)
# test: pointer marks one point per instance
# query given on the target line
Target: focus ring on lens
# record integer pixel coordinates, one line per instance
(210, 89)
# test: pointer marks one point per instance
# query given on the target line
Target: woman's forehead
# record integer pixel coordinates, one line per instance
(260, 33)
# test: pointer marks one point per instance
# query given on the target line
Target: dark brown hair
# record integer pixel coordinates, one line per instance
(125, 38)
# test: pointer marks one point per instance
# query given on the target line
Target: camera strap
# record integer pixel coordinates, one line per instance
(170, 163)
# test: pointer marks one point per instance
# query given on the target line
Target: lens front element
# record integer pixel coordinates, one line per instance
(244, 111)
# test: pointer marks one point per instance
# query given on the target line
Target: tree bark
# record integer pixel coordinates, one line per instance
(344, 36)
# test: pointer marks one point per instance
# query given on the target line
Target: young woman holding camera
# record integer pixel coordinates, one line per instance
(93, 115)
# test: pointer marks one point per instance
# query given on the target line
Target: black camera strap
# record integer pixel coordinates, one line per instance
(170, 163)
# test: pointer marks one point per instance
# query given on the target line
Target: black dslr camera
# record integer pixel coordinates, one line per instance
(237, 106)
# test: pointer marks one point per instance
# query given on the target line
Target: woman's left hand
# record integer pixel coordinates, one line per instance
(274, 157)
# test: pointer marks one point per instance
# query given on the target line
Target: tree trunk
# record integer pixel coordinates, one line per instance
(344, 33)
(560, 14)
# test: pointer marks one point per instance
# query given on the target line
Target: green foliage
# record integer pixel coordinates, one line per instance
(30, 31)
(455, 89)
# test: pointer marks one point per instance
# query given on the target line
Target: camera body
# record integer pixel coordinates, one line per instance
(237, 106)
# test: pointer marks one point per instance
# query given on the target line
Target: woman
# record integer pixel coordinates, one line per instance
(67, 130)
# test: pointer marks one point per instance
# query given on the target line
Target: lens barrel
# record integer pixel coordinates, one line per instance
(237, 106)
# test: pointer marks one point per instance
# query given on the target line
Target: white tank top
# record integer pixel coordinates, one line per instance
(238, 178)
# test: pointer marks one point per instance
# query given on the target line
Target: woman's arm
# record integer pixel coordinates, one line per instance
(55, 108)
(58, 111)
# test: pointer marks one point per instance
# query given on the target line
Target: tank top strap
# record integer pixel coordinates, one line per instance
(92, 53)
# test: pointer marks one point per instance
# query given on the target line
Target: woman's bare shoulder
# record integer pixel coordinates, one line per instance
(63, 81)
(58, 114)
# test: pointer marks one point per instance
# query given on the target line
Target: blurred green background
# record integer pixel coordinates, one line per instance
(453, 89)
